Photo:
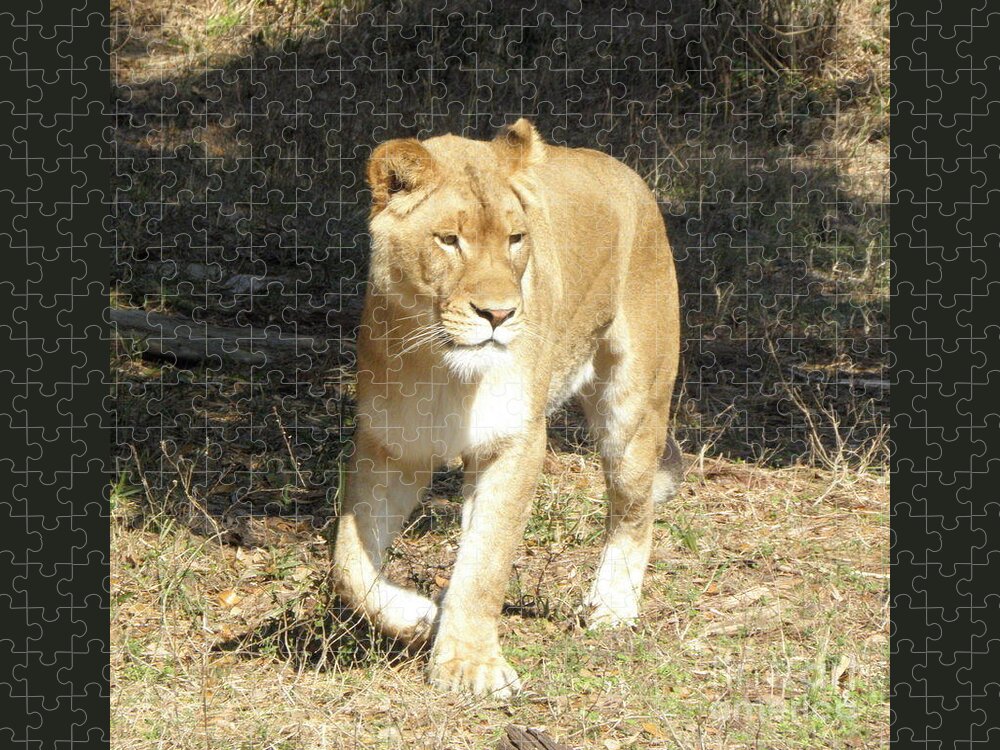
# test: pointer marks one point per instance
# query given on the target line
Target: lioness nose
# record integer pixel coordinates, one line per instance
(496, 317)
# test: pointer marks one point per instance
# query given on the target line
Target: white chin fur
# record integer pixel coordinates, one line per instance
(469, 363)
(504, 335)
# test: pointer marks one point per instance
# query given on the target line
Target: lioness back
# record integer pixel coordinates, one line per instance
(611, 243)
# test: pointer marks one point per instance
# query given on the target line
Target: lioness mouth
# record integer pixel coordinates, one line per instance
(487, 344)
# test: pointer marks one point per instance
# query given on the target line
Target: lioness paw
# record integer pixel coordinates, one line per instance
(604, 617)
(482, 676)
(611, 611)
(406, 615)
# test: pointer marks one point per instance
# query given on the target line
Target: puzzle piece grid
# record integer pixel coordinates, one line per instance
(242, 207)
(226, 287)
(56, 422)
(944, 347)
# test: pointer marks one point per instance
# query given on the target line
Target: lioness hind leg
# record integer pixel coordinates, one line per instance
(630, 474)
(376, 506)
(628, 407)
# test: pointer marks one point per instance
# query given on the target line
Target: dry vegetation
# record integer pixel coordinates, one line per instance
(766, 625)
(766, 622)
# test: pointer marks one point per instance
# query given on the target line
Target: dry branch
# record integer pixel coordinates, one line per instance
(165, 336)
(518, 738)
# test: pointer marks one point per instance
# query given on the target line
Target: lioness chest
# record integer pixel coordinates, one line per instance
(437, 418)
(440, 417)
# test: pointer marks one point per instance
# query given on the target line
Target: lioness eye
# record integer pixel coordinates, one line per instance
(516, 239)
(447, 241)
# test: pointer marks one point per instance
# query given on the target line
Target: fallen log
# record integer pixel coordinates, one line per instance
(185, 340)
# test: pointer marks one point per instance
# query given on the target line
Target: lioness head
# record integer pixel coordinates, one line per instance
(451, 241)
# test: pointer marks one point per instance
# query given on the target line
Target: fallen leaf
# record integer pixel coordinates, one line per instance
(652, 729)
(229, 598)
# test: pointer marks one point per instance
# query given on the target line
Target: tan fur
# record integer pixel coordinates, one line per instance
(594, 296)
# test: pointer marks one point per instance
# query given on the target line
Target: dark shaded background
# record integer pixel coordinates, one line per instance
(240, 144)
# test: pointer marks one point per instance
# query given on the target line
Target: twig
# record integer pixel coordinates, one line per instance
(142, 475)
(288, 445)
(185, 480)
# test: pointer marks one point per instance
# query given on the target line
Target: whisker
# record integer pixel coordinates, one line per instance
(411, 317)
(418, 332)
(412, 345)
(433, 334)
(533, 334)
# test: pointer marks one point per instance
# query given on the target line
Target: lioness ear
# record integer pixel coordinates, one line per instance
(395, 167)
(520, 145)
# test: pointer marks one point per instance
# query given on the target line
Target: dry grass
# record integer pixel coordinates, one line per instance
(765, 625)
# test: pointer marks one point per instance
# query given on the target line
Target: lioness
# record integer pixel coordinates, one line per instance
(506, 276)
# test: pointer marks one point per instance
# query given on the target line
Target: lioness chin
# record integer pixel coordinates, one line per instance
(506, 277)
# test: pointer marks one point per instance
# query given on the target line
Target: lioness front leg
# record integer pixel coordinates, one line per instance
(466, 654)
(381, 495)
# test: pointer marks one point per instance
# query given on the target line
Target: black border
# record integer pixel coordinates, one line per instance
(945, 597)
(54, 185)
